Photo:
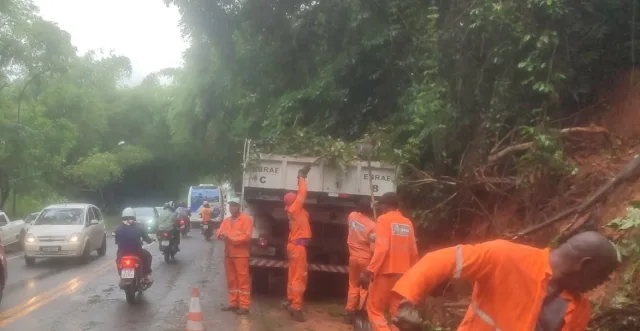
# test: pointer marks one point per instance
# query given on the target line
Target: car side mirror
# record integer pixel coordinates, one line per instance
(95, 222)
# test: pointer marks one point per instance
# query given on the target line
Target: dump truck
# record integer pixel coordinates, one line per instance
(332, 195)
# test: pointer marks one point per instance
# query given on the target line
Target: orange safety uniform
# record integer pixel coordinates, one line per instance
(236, 258)
(206, 214)
(510, 284)
(299, 236)
(394, 253)
(361, 230)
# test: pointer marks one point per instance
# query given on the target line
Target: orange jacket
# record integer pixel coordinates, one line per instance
(298, 217)
(510, 284)
(205, 213)
(238, 232)
(395, 248)
(361, 230)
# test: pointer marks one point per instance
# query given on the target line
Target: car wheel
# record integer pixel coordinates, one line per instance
(21, 239)
(102, 251)
(29, 260)
(86, 254)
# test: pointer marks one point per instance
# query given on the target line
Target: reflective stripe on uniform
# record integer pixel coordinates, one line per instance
(483, 316)
(459, 262)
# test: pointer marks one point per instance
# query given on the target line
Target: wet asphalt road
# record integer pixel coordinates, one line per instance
(61, 295)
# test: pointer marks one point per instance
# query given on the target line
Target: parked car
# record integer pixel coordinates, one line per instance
(11, 232)
(66, 230)
(147, 217)
(3, 270)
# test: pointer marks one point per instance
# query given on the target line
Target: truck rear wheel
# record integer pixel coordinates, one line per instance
(259, 280)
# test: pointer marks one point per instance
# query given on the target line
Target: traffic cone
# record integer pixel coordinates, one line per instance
(194, 318)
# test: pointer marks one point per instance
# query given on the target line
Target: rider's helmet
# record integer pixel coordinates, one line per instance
(205, 204)
(170, 205)
(128, 214)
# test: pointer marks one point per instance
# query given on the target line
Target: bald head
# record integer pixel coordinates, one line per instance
(584, 261)
(591, 244)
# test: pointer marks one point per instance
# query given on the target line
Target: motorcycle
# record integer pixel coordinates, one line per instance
(167, 244)
(131, 277)
(185, 227)
(207, 230)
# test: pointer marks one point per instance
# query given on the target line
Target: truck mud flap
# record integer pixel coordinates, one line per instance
(270, 263)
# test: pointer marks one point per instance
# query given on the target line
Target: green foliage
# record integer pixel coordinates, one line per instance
(629, 248)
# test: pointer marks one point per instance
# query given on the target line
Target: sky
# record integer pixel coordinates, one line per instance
(145, 31)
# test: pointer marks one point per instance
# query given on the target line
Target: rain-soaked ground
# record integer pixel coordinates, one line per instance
(58, 295)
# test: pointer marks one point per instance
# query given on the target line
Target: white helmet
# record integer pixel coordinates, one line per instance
(129, 213)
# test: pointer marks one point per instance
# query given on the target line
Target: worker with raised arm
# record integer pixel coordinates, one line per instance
(516, 287)
(236, 232)
(359, 240)
(394, 253)
(299, 237)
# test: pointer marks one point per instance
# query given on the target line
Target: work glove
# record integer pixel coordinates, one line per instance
(408, 317)
(365, 279)
(304, 171)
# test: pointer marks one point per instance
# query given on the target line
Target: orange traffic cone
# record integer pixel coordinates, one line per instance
(194, 318)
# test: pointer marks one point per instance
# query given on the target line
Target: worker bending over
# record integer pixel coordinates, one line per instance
(516, 287)
(394, 253)
(299, 237)
(236, 232)
(360, 239)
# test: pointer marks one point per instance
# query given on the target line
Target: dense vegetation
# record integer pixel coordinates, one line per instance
(63, 116)
(442, 87)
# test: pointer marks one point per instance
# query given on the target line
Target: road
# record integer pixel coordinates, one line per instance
(60, 295)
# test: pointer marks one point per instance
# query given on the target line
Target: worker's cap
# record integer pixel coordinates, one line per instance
(205, 202)
(234, 201)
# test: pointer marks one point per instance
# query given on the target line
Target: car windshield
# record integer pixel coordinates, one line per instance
(31, 217)
(144, 212)
(60, 216)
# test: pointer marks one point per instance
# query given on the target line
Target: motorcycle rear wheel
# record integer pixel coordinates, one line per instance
(131, 296)
(167, 257)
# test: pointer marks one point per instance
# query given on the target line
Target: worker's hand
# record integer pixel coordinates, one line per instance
(408, 317)
(304, 171)
(365, 279)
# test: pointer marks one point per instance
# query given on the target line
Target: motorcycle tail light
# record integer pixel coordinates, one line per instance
(166, 234)
(181, 222)
(129, 263)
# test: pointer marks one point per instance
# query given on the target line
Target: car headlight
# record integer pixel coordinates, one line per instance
(74, 237)
(30, 238)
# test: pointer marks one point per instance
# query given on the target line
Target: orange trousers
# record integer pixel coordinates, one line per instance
(380, 300)
(297, 278)
(238, 281)
(356, 266)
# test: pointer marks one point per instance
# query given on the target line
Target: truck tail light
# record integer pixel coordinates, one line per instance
(262, 240)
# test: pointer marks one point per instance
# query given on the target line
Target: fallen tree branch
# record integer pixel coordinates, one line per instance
(627, 173)
(496, 156)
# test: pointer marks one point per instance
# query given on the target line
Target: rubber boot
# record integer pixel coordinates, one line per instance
(297, 315)
(242, 311)
(349, 318)
(229, 308)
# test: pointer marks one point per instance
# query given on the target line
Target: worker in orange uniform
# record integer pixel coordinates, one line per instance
(205, 213)
(361, 236)
(394, 253)
(516, 287)
(299, 237)
(236, 232)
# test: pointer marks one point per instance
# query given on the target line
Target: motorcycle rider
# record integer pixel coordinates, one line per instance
(128, 238)
(169, 220)
(205, 213)
(183, 214)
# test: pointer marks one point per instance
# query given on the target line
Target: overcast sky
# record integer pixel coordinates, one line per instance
(145, 31)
